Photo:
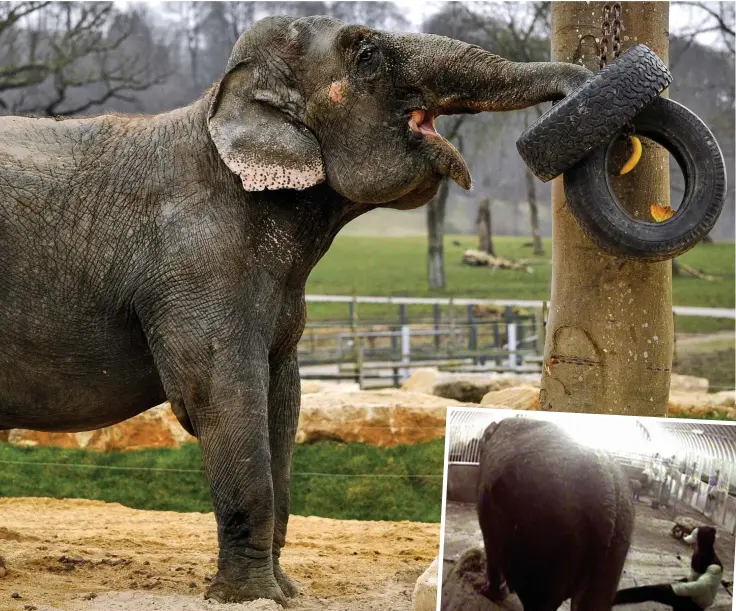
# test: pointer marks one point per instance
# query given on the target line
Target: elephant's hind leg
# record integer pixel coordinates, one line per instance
(600, 590)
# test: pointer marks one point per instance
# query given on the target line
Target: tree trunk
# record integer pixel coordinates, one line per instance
(483, 224)
(436, 218)
(531, 195)
(436, 233)
(610, 330)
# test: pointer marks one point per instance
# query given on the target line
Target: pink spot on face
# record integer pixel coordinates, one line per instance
(337, 91)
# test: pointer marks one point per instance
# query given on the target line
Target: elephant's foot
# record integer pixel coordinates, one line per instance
(288, 587)
(224, 591)
(496, 592)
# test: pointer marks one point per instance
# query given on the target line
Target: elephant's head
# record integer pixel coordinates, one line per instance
(313, 99)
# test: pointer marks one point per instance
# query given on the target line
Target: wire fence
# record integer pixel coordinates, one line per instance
(202, 471)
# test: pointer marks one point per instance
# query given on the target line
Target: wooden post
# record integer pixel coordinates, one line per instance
(609, 335)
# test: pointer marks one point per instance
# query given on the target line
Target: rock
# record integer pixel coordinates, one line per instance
(155, 428)
(464, 387)
(702, 404)
(517, 397)
(680, 383)
(311, 387)
(381, 418)
(724, 398)
(424, 596)
(463, 582)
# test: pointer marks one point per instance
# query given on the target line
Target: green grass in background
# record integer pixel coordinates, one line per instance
(362, 498)
(714, 359)
(397, 266)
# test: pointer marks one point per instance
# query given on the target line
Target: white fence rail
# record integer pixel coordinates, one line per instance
(521, 303)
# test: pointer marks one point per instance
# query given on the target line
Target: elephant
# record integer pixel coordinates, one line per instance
(556, 517)
(164, 258)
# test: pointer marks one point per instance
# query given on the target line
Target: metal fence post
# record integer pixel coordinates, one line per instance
(437, 320)
(406, 350)
(511, 327)
(451, 343)
(497, 342)
(472, 335)
(357, 353)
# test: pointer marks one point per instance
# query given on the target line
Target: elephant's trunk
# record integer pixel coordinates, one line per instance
(455, 77)
(458, 77)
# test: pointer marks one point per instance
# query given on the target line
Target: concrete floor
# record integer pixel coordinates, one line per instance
(654, 556)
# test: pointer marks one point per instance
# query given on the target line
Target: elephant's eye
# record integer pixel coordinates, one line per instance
(368, 60)
(366, 54)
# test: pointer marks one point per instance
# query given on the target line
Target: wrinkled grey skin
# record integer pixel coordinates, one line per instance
(152, 258)
(556, 517)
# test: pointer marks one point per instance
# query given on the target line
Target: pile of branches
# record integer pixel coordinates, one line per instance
(480, 258)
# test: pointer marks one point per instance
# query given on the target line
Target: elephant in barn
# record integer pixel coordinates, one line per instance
(164, 258)
(556, 517)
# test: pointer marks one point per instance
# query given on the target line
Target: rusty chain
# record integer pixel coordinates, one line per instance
(613, 27)
(606, 31)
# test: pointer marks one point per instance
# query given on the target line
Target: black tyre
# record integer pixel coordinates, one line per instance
(595, 112)
(603, 218)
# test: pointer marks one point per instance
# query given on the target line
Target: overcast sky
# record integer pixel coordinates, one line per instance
(416, 11)
(681, 17)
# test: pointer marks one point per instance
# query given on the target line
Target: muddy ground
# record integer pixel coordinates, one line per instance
(655, 556)
(79, 555)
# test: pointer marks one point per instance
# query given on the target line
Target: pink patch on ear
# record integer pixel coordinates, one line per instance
(259, 176)
(337, 91)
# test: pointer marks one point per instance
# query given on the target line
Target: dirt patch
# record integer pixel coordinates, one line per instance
(75, 555)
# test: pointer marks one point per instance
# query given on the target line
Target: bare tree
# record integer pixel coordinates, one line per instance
(64, 58)
(483, 226)
(436, 216)
(518, 33)
(717, 18)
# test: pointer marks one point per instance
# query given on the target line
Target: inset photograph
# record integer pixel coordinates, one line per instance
(546, 510)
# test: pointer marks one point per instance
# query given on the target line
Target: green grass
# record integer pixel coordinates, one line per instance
(397, 266)
(361, 498)
(714, 359)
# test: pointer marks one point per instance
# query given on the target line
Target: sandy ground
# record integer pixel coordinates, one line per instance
(654, 556)
(78, 555)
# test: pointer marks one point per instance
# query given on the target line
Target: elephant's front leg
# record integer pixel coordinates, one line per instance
(233, 434)
(283, 417)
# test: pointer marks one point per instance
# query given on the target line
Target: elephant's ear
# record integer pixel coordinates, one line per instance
(258, 138)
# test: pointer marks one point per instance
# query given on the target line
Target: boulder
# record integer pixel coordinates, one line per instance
(382, 418)
(155, 428)
(312, 387)
(681, 383)
(722, 404)
(517, 397)
(424, 596)
(465, 387)
(463, 582)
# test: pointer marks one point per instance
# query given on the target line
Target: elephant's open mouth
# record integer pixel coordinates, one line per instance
(421, 122)
(446, 159)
